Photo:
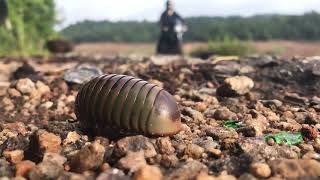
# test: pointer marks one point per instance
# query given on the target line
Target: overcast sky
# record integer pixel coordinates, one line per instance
(72, 11)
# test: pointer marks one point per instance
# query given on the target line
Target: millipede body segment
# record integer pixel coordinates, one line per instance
(125, 103)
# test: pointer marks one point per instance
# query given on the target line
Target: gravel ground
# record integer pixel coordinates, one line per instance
(41, 138)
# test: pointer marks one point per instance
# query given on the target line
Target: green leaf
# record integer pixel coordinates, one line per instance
(231, 124)
(285, 137)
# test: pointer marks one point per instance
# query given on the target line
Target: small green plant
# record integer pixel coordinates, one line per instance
(226, 46)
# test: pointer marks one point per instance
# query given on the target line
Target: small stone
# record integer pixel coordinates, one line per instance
(17, 127)
(169, 161)
(48, 142)
(135, 144)
(46, 170)
(188, 170)
(309, 132)
(220, 133)
(194, 114)
(147, 173)
(24, 167)
(25, 86)
(234, 86)
(194, 151)
(5, 169)
(113, 174)
(13, 92)
(215, 152)
(295, 168)
(260, 170)
(224, 114)
(132, 161)
(55, 158)
(165, 146)
(47, 105)
(72, 137)
(205, 176)
(89, 157)
(14, 156)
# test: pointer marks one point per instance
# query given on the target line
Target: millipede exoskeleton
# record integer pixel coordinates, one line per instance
(128, 104)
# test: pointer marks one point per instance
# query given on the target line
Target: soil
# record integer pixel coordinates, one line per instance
(41, 138)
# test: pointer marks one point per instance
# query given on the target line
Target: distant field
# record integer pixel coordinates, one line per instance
(282, 48)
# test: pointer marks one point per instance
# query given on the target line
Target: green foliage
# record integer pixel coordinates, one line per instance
(285, 137)
(29, 24)
(261, 27)
(225, 47)
(231, 124)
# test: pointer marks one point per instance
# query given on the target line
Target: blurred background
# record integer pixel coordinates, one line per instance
(284, 28)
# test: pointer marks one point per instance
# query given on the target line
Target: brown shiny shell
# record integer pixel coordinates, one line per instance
(125, 103)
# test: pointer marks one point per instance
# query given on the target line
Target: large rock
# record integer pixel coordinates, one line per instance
(235, 86)
(295, 168)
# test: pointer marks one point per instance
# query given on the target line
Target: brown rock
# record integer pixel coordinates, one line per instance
(24, 167)
(237, 85)
(224, 114)
(260, 170)
(72, 137)
(147, 173)
(220, 133)
(15, 156)
(169, 161)
(48, 142)
(13, 92)
(295, 168)
(46, 170)
(135, 144)
(194, 114)
(132, 161)
(55, 158)
(309, 132)
(165, 146)
(89, 157)
(25, 86)
(189, 170)
(17, 127)
(204, 176)
(194, 151)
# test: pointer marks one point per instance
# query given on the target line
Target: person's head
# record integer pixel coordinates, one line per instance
(169, 5)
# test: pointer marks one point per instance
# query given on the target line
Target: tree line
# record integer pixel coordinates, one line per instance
(259, 27)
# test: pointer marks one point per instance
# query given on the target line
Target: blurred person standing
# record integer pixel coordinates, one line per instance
(172, 27)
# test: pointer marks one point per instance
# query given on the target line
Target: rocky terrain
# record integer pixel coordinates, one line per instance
(228, 109)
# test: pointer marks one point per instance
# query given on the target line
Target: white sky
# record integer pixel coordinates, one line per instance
(72, 11)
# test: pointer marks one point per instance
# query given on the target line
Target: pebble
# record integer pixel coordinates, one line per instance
(5, 169)
(24, 167)
(14, 156)
(194, 114)
(48, 142)
(169, 161)
(46, 170)
(55, 158)
(224, 114)
(113, 174)
(295, 168)
(89, 157)
(188, 170)
(132, 161)
(25, 86)
(134, 144)
(309, 132)
(13, 92)
(234, 86)
(204, 176)
(220, 133)
(194, 151)
(260, 170)
(147, 173)
(215, 152)
(164, 145)
(72, 137)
